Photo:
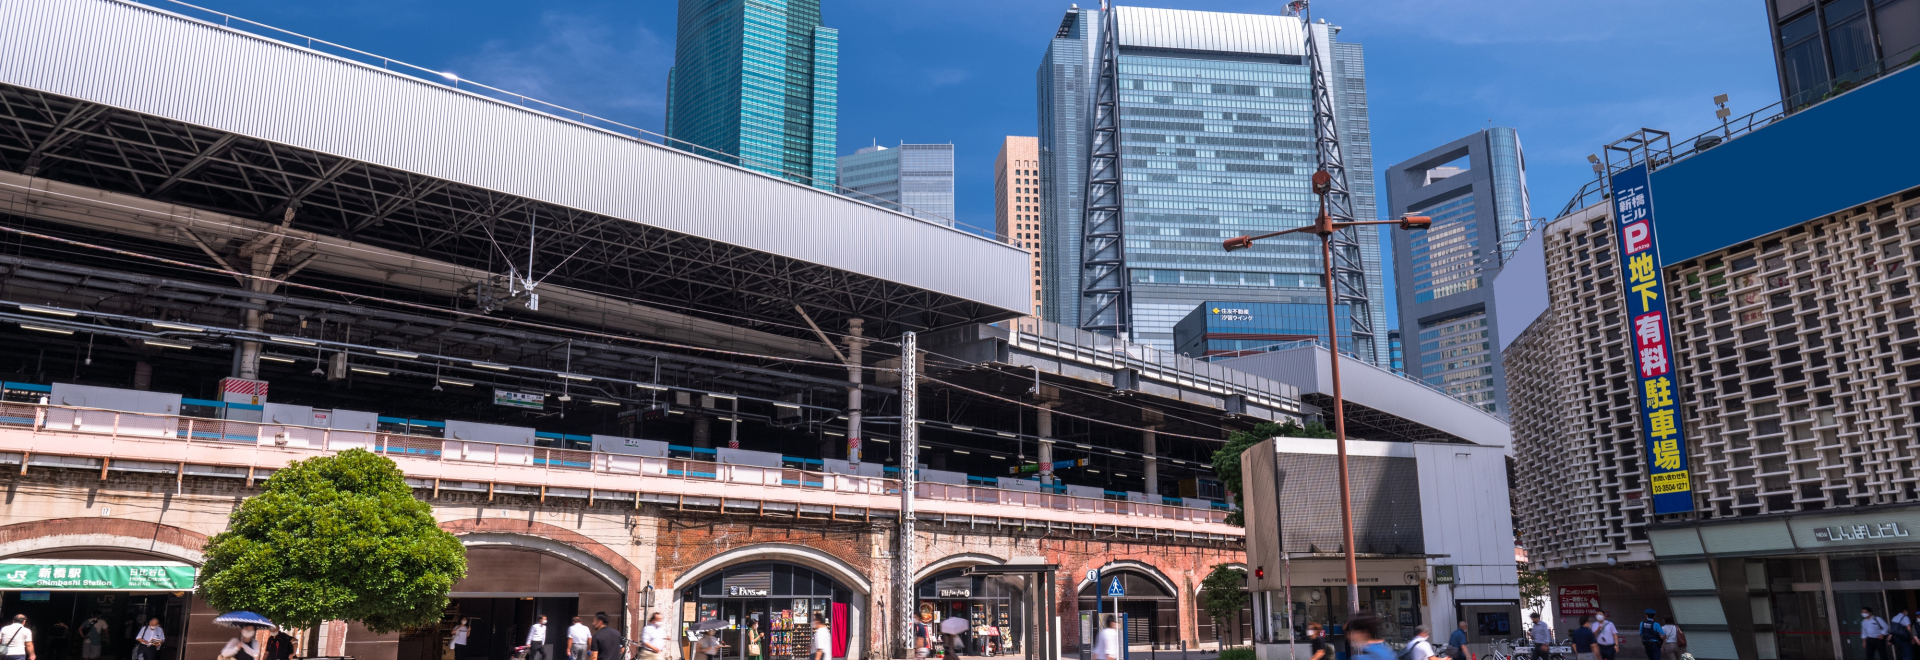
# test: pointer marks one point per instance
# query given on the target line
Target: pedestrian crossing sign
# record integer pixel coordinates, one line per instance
(1114, 588)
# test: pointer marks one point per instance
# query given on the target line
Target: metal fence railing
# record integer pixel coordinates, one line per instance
(188, 430)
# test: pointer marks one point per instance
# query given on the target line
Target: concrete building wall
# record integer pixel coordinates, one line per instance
(1016, 205)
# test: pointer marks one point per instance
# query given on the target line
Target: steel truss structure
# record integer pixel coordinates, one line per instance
(68, 140)
(1107, 289)
(1349, 274)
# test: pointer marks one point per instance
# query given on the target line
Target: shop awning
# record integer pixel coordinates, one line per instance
(95, 575)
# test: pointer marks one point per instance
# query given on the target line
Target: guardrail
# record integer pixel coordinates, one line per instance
(116, 424)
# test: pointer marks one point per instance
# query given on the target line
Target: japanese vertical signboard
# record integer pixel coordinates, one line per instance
(1647, 332)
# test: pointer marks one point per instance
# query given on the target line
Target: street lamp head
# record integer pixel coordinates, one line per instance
(1322, 182)
(1411, 222)
(1237, 243)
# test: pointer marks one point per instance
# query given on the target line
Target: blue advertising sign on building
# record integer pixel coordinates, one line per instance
(1659, 391)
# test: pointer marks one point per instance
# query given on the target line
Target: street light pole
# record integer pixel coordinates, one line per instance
(1324, 227)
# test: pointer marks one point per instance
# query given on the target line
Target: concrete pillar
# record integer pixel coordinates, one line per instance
(1046, 444)
(1147, 447)
(262, 254)
(142, 376)
(855, 354)
(733, 427)
(702, 430)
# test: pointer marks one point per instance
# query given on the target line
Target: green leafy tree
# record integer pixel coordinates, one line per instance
(334, 538)
(1222, 595)
(1533, 587)
(1226, 461)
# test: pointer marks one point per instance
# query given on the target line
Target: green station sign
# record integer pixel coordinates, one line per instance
(96, 575)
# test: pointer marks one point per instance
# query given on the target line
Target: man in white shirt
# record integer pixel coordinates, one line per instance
(1606, 636)
(1108, 646)
(16, 641)
(1421, 646)
(537, 639)
(578, 637)
(822, 639)
(149, 640)
(1874, 631)
(653, 638)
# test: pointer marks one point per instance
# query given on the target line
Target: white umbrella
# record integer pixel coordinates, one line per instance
(954, 625)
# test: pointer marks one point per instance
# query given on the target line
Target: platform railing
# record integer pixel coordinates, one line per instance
(186, 430)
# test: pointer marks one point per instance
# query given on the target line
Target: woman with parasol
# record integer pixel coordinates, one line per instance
(247, 645)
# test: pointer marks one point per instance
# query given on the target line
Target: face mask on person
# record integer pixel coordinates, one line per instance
(1600, 617)
(1866, 615)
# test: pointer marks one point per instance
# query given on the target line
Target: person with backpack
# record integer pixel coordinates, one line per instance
(1420, 647)
(1651, 637)
(1875, 631)
(1903, 634)
(17, 640)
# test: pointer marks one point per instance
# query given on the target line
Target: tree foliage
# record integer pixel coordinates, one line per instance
(334, 538)
(1226, 461)
(1533, 587)
(1222, 593)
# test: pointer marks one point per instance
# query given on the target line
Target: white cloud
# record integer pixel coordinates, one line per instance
(581, 62)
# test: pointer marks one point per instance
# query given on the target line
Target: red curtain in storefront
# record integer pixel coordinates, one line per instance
(839, 630)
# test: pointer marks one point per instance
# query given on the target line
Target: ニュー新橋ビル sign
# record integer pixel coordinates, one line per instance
(1650, 342)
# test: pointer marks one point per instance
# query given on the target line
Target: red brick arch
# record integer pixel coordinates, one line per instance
(103, 532)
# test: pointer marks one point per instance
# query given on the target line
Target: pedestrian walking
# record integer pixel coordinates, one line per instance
(1540, 635)
(460, 632)
(579, 637)
(1606, 636)
(1875, 631)
(279, 646)
(707, 646)
(537, 640)
(147, 642)
(1107, 645)
(609, 644)
(1364, 641)
(756, 640)
(822, 639)
(1903, 634)
(1584, 646)
(653, 638)
(16, 640)
(1673, 642)
(1319, 647)
(1421, 646)
(1457, 643)
(1651, 637)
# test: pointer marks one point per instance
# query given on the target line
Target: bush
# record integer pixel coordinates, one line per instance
(1236, 653)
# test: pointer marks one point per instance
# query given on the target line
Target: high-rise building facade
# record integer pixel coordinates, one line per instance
(915, 179)
(1475, 189)
(1215, 126)
(1016, 204)
(757, 81)
(1822, 47)
(1063, 85)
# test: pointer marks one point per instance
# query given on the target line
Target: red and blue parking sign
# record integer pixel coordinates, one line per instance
(1650, 341)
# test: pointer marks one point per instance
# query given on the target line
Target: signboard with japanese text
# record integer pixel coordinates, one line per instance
(1648, 333)
(1577, 599)
(57, 575)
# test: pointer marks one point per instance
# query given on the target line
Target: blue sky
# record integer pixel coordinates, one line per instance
(1568, 75)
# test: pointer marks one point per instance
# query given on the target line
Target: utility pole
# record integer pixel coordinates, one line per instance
(903, 599)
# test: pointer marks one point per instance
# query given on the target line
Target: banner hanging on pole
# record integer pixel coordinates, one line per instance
(1649, 338)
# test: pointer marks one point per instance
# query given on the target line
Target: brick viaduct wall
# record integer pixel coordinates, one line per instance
(48, 510)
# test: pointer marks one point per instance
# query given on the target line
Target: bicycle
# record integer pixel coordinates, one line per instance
(1523, 649)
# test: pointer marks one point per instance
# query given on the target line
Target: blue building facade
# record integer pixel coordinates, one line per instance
(757, 82)
(1234, 329)
(1475, 189)
(1216, 141)
(915, 179)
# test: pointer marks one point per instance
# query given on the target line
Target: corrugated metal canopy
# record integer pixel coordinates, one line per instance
(1180, 29)
(366, 149)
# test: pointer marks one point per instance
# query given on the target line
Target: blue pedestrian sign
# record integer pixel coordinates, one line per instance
(1114, 588)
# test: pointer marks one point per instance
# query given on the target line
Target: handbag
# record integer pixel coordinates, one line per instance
(520, 652)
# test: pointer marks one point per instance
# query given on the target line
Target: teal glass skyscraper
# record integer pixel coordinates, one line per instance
(757, 82)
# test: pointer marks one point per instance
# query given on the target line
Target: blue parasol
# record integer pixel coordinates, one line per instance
(244, 618)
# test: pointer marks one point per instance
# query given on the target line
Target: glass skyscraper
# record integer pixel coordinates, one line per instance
(916, 179)
(757, 81)
(1216, 141)
(1475, 189)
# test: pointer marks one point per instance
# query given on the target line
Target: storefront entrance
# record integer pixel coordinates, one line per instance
(505, 589)
(776, 599)
(995, 606)
(89, 609)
